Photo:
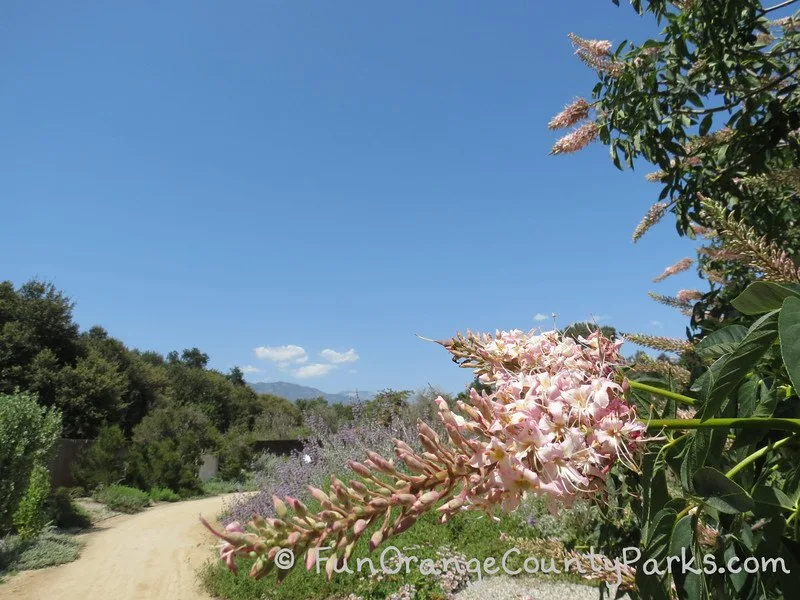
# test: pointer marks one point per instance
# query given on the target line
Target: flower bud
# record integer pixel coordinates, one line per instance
(376, 539)
(318, 494)
(359, 527)
(280, 507)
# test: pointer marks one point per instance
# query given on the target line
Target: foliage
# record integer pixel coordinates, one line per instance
(96, 381)
(216, 486)
(103, 463)
(27, 434)
(711, 102)
(30, 516)
(235, 453)
(468, 535)
(162, 494)
(327, 451)
(584, 329)
(167, 447)
(65, 513)
(46, 550)
(122, 498)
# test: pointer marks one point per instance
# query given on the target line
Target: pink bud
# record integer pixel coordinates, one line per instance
(376, 540)
(359, 527)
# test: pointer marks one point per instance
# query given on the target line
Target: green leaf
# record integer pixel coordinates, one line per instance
(654, 487)
(763, 296)
(656, 546)
(722, 341)
(725, 374)
(705, 124)
(721, 493)
(770, 501)
(688, 584)
(789, 330)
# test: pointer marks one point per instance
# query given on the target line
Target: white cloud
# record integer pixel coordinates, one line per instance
(540, 317)
(353, 371)
(598, 318)
(656, 323)
(312, 370)
(284, 354)
(333, 356)
(250, 369)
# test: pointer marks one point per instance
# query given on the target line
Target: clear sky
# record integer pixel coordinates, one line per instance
(334, 176)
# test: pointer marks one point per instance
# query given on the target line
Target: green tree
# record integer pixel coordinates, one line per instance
(585, 328)
(167, 447)
(91, 394)
(103, 463)
(712, 103)
(33, 318)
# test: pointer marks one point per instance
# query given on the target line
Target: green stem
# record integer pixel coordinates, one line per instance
(685, 511)
(680, 398)
(792, 425)
(756, 455)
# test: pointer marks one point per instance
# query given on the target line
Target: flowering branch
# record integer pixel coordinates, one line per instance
(554, 424)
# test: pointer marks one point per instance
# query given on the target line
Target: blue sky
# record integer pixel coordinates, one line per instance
(329, 176)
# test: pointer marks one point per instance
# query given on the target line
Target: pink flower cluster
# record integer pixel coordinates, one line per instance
(556, 421)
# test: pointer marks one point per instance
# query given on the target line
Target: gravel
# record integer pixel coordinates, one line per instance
(526, 588)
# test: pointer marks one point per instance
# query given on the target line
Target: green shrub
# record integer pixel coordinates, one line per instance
(77, 491)
(48, 549)
(235, 454)
(162, 494)
(216, 486)
(103, 463)
(167, 448)
(123, 498)
(30, 517)
(469, 534)
(28, 433)
(64, 513)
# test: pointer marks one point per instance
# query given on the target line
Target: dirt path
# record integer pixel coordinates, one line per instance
(154, 554)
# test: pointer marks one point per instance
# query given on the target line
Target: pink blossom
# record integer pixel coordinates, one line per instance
(576, 140)
(689, 295)
(573, 113)
(678, 267)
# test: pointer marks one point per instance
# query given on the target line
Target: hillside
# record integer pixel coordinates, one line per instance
(293, 391)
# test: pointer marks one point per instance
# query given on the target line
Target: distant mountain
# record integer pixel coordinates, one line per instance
(293, 391)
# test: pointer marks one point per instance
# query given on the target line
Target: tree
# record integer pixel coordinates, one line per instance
(90, 395)
(236, 376)
(583, 329)
(33, 318)
(194, 358)
(712, 103)
(167, 447)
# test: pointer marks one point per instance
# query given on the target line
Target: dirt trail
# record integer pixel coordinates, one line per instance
(153, 554)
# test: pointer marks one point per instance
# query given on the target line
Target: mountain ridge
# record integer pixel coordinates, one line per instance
(294, 391)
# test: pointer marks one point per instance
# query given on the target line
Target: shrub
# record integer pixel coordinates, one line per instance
(77, 491)
(27, 435)
(102, 463)
(217, 486)
(235, 454)
(30, 517)
(290, 476)
(123, 498)
(64, 513)
(48, 549)
(162, 494)
(167, 448)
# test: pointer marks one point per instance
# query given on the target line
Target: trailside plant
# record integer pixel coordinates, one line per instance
(561, 417)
